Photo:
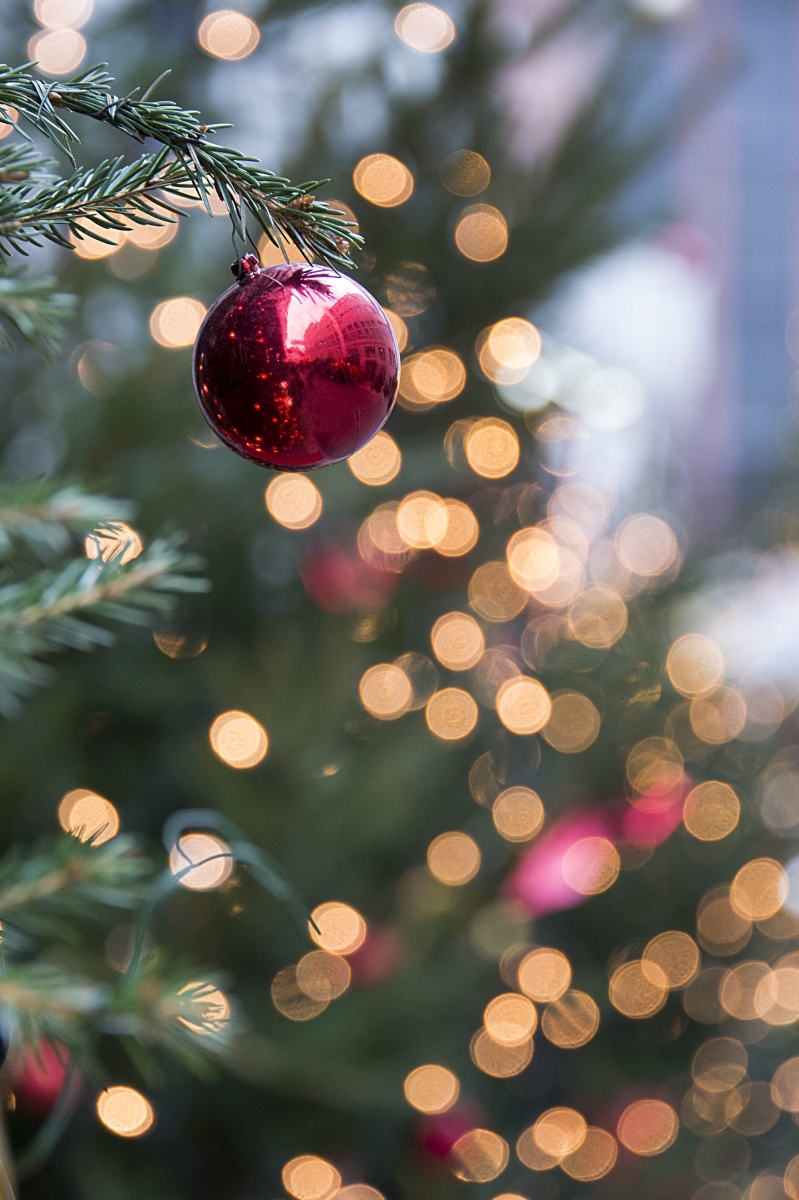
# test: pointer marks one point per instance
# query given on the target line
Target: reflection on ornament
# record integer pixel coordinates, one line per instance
(295, 367)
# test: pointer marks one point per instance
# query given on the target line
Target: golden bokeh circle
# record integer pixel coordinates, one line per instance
(209, 859)
(719, 717)
(712, 810)
(57, 51)
(294, 501)
(573, 724)
(648, 1127)
(785, 1086)
(595, 1158)
(479, 1156)
(228, 35)
(458, 641)
(759, 889)
(497, 1060)
(481, 233)
(571, 1021)
(510, 1019)
(646, 545)
(422, 520)
(308, 1177)
(451, 714)
(523, 705)
(534, 559)
(492, 448)
(462, 530)
(425, 28)
(739, 986)
(153, 237)
(655, 764)
(114, 542)
(695, 665)
(638, 990)
(591, 865)
(175, 323)
(385, 691)
(676, 955)
(433, 376)
(544, 974)
(494, 595)
(598, 619)
(340, 928)
(518, 814)
(719, 1064)
(238, 739)
(383, 180)
(453, 858)
(87, 815)
(431, 1088)
(465, 173)
(322, 975)
(63, 14)
(378, 462)
(531, 1155)
(290, 1000)
(124, 1111)
(560, 1131)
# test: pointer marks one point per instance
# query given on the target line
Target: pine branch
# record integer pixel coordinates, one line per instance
(189, 164)
(55, 610)
(45, 518)
(36, 310)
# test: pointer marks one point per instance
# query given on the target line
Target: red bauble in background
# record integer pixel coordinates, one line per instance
(39, 1078)
(295, 367)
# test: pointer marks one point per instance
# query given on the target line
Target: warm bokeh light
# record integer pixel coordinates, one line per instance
(294, 501)
(785, 1086)
(523, 705)
(648, 1127)
(695, 665)
(291, 1001)
(400, 328)
(458, 641)
(422, 676)
(494, 594)
(720, 1064)
(453, 858)
(212, 856)
(533, 559)
(385, 691)
(462, 530)
(272, 255)
(340, 929)
(425, 28)
(518, 814)
(210, 1008)
(591, 866)
(383, 180)
(238, 739)
(153, 237)
(753, 1112)
(573, 724)
(380, 542)
(87, 815)
(124, 1111)
(720, 929)
(594, 1159)
(433, 376)
(322, 975)
(712, 810)
(777, 996)
(571, 1021)
(510, 1019)
(655, 765)
(481, 233)
(310, 1178)
(378, 462)
(646, 545)
(759, 889)
(422, 520)
(791, 1179)
(718, 718)
(675, 955)
(560, 1131)
(544, 974)
(175, 323)
(513, 344)
(57, 51)
(492, 448)
(598, 618)
(8, 127)
(114, 542)
(431, 1089)
(228, 34)
(465, 173)
(479, 1156)
(495, 1059)
(531, 1155)
(91, 247)
(638, 990)
(63, 14)
(451, 714)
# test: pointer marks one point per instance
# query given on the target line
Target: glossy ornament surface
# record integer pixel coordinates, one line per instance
(296, 366)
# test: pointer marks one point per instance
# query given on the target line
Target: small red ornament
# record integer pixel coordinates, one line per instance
(39, 1078)
(295, 367)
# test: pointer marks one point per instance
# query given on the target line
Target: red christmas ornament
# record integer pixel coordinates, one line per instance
(39, 1078)
(295, 367)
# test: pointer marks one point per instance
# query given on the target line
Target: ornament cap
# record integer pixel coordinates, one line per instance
(245, 267)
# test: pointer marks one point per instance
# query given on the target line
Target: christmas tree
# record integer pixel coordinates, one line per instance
(459, 688)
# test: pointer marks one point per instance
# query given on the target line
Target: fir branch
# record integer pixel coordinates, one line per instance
(44, 517)
(196, 165)
(35, 309)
